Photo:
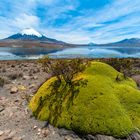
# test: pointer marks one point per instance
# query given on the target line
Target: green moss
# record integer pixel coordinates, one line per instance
(108, 104)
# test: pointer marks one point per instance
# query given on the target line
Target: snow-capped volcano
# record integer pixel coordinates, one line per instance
(30, 31)
(30, 34)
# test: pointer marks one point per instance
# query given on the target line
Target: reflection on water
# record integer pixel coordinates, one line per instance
(20, 53)
(99, 52)
(7, 53)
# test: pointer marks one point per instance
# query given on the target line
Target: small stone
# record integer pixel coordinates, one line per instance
(39, 130)
(31, 86)
(1, 133)
(26, 111)
(11, 114)
(13, 82)
(24, 103)
(45, 132)
(1, 108)
(2, 98)
(35, 77)
(26, 77)
(21, 87)
(7, 132)
(38, 133)
(103, 137)
(17, 138)
(135, 136)
(53, 132)
(35, 127)
(68, 138)
(14, 90)
(12, 134)
(90, 137)
(16, 101)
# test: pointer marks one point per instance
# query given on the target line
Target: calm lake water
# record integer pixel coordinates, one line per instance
(7, 53)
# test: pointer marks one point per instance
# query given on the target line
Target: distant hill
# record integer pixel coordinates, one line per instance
(134, 42)
(30, 37)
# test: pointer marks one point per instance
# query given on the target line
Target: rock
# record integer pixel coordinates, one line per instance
(14, 90)
(38, 133)
(1, 108)
(35, 127)
(45, 132)
(25, 77)
(39, 130)
(1, 133)
(18, 138)
(8, 135)
(68, 138)
(89, 137)
(64, 132)
(102, 137)
(21, 87)
(53, 132)
(32, 86)
(16, 101)
(7, 132)
(12, 134)
(24, 103)
(13, 82)
(35, 77)
(11, 114)
(26, 111)
(134, 136)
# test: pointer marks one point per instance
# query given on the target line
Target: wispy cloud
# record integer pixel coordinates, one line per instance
(67, 20)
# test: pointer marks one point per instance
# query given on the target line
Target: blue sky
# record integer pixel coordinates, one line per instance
(73, 21)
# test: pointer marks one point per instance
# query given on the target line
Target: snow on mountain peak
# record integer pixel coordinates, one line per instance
(30, 31)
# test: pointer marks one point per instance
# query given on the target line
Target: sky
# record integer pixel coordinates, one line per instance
(73, 21)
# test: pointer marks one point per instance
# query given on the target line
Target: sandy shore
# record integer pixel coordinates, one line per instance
(21, 80)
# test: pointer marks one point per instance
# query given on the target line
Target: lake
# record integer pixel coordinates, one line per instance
(18, 53)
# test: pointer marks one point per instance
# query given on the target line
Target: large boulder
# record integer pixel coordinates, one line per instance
(107, 103)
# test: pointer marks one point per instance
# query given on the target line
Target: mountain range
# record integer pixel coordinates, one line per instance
(29, 37)
(132, 42)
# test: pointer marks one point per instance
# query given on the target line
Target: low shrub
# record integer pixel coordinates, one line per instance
(14, 76)
(64, 69)
(121, 65)
(2, 82)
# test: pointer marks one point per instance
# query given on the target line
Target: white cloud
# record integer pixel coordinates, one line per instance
(118, 10)
(10, 26)
(125, 14)
(24, 20)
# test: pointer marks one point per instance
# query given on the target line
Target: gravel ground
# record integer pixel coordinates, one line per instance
(16, 121)
(22, 79)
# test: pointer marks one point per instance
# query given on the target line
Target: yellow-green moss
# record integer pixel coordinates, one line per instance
(109, 104)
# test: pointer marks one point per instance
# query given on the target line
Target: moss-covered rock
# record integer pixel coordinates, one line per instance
(101, 101)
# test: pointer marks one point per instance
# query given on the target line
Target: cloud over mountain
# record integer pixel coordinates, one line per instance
(80, 21)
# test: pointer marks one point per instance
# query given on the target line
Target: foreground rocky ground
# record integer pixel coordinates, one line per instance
(21, 80)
